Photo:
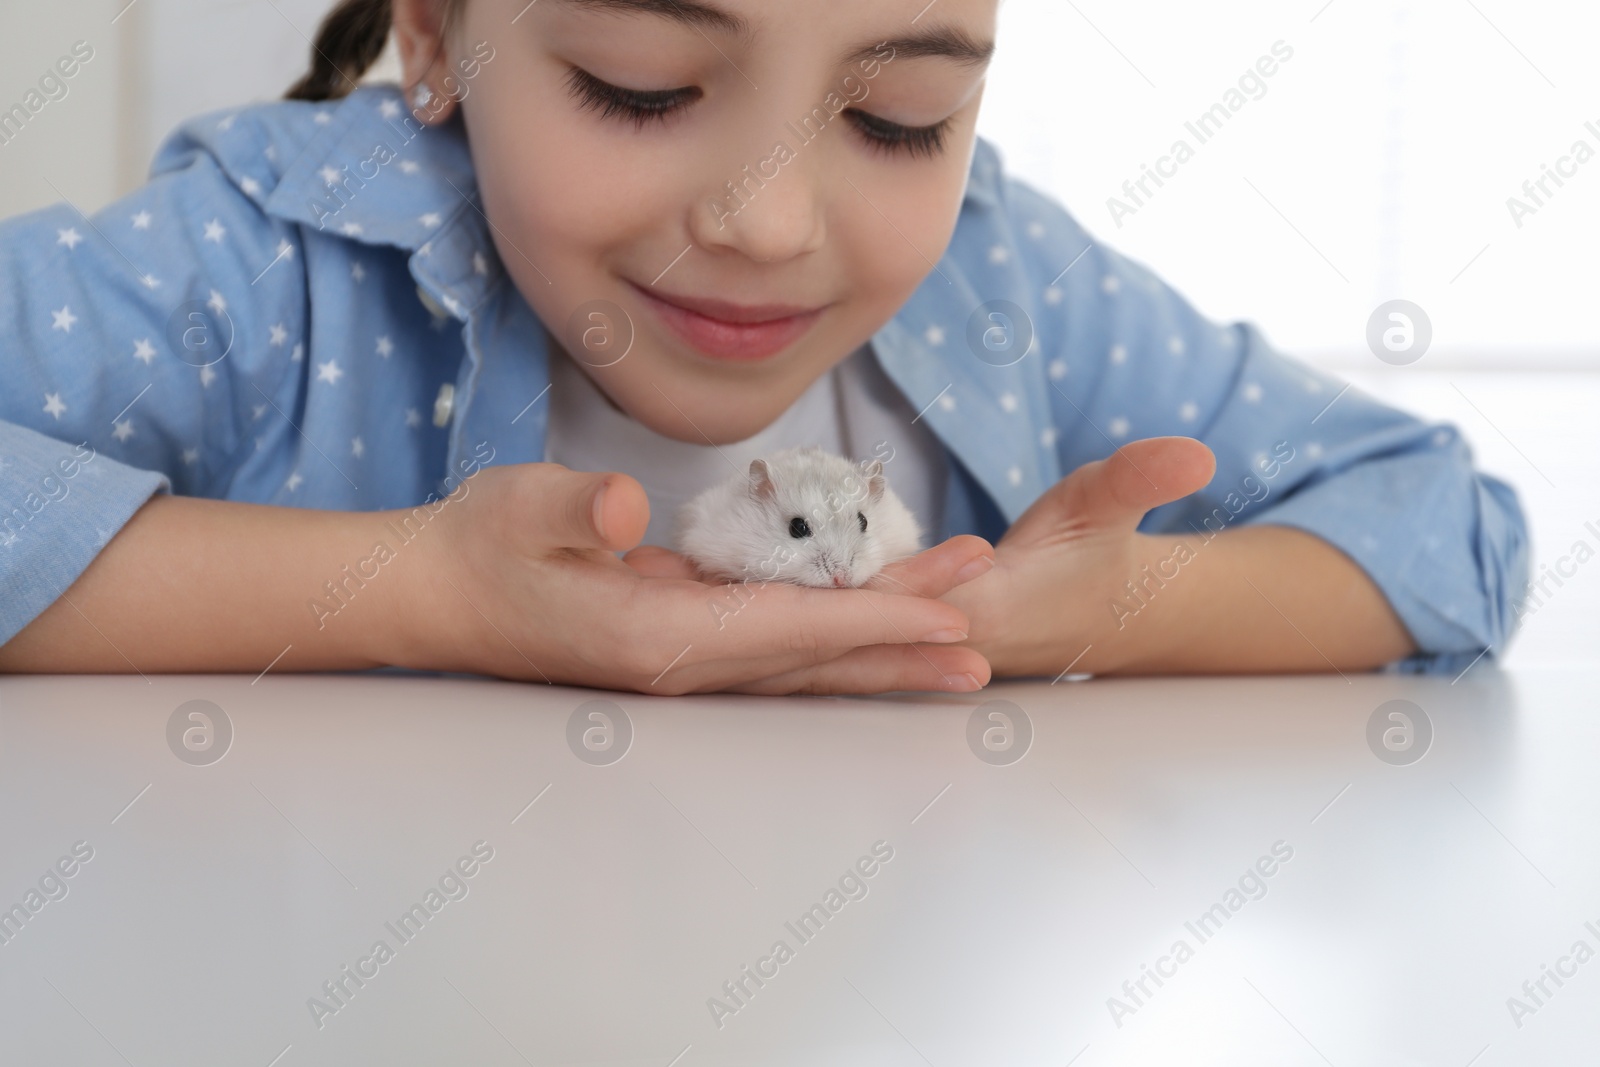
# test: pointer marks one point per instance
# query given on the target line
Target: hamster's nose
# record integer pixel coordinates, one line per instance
(840, 580)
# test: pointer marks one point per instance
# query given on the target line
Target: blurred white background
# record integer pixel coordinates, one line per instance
(1376, 165)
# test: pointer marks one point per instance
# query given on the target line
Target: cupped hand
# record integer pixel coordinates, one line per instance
(523, 581)
(869, 667)
(1063, 563)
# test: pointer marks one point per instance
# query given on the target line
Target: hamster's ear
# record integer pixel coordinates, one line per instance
(875, 479)
(761, 484)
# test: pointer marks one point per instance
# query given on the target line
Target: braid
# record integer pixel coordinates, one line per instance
(349, 41)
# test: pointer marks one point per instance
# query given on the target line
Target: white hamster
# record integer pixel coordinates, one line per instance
(800, 515)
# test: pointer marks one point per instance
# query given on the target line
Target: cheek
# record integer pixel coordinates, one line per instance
(562, 197)
(923, 201)
(540, 209)
(883, 267)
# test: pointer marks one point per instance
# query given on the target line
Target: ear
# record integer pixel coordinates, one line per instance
(419, 32)
(876, 482)
(762, 486)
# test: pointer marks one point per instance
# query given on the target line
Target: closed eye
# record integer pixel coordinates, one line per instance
(639, 106)
(642, 107)
(892, 137)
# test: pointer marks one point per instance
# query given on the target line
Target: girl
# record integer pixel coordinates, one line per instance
(389, 375)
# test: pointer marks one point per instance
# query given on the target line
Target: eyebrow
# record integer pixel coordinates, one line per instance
(947, 42)
(940, 41)
(687, 12)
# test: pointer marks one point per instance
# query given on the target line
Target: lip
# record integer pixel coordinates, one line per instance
(726, 331)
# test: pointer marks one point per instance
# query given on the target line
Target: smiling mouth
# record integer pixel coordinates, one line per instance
(722, 330)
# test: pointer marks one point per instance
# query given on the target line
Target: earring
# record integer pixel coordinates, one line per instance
(421, 97)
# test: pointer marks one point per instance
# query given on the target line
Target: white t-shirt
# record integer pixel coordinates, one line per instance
(848, 411)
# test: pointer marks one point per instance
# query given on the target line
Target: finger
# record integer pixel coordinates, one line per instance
(937, 570)
(1115, 492)
(713, 661)
(779, 617)
(881, 669)
(654, 561)
(581, 509)
(780, 626)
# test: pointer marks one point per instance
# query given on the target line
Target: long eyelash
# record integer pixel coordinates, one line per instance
(644, 106)
(639, 106)
(892, 137)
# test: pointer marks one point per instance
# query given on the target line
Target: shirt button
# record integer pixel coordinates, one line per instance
(431, 304)
(444, 405)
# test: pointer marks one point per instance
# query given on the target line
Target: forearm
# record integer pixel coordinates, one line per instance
(1253, 599)
(204, 585)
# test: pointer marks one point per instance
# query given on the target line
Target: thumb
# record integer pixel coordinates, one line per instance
(1115, 492)
(583, 509)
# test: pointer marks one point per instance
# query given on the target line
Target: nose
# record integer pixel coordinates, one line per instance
(768, 212)
(840, 579)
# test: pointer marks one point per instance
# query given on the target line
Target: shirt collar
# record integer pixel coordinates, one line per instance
(376, 176)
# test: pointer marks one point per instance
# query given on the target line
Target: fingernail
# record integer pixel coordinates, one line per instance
(961, 683)
(599, 510)
(974, 568)
(941, 636)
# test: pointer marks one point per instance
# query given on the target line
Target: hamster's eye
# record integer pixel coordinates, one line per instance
(862, 519)
(798, 527)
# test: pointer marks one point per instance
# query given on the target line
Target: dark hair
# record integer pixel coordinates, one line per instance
(349, 41)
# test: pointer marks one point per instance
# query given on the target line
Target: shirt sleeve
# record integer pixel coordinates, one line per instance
(1131, 358)
(136, 347)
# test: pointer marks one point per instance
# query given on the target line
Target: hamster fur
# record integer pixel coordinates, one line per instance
(797, 516)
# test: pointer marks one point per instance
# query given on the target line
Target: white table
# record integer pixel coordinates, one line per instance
(1417, 897)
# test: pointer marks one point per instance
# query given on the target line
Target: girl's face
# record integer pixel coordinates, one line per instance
(748, 188)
